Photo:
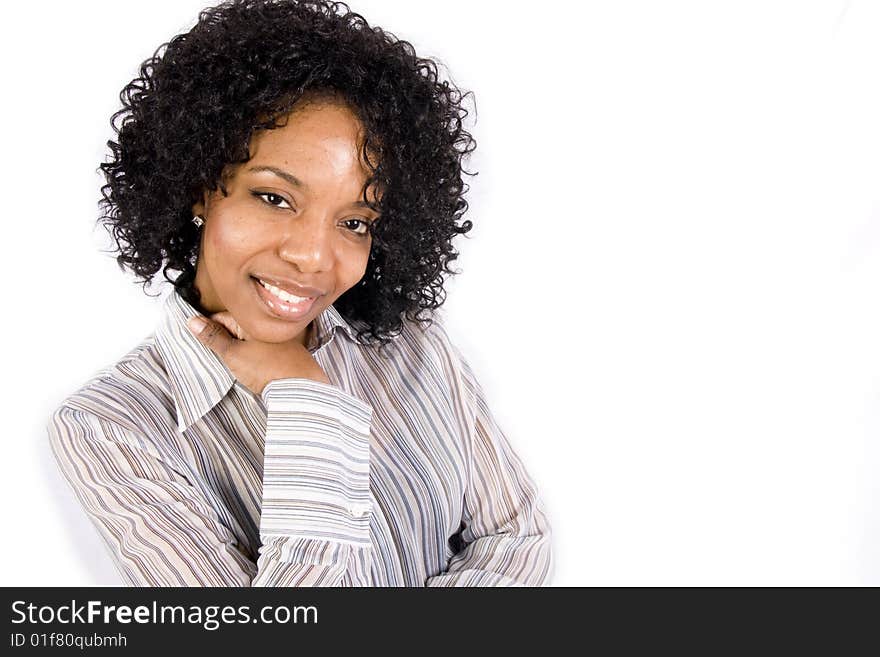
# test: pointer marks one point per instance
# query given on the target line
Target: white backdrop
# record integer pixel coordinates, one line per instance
(670, 295)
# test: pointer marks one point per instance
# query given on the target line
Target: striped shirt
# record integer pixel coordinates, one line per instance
(394, 475)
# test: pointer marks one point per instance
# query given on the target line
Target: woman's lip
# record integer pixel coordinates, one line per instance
(281, 309)
(290, 286)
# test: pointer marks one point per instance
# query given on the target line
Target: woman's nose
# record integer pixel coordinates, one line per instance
(307, 244)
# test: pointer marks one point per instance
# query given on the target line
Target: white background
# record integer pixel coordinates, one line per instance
(670, 295)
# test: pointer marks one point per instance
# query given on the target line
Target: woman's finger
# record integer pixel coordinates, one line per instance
(226, 318)
(229, 322)
(211, 334)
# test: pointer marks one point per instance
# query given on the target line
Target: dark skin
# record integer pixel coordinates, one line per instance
(294, 211)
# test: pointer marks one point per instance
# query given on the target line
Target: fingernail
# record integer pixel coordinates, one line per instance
(196, 325)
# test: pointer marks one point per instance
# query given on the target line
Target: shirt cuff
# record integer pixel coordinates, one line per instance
(316, 468)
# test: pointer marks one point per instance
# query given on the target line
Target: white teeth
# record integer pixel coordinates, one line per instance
(282, 294)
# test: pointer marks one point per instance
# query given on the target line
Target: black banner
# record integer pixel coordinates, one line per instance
(232, 619)
(406, 621)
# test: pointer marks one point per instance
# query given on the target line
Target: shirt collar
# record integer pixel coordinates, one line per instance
(199, 378)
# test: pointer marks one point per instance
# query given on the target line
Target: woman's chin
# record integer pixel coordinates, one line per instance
(278, 332)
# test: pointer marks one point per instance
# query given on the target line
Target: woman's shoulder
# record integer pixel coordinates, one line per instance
(121, 393)
(425, 349)
(430, 337)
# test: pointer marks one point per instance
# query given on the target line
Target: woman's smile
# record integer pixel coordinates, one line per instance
(281, 304)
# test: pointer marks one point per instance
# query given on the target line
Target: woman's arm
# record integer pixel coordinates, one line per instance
(161, 530)
(505, 532)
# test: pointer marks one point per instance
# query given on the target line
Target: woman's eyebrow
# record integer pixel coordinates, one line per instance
(296, 182)
(281, 173)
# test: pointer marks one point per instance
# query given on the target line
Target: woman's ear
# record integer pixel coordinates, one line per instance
(199, 207)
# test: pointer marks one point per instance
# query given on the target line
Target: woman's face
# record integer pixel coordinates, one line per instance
(293, 219)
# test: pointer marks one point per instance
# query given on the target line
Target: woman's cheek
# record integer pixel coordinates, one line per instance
(234, 236)
(357, 265)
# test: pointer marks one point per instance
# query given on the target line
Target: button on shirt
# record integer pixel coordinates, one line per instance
(394, 475)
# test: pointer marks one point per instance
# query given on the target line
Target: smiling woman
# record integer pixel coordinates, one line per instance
(300, 416)
(291, 235)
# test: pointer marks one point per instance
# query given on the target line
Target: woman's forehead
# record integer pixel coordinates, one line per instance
(326, 136)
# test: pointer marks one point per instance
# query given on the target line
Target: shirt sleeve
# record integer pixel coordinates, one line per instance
(505, 535)
(162, 531)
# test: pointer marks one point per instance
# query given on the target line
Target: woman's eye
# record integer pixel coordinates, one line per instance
(357, 226)
(275, 200)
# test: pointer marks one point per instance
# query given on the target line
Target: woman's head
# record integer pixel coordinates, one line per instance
(292, 221)
(259, 89)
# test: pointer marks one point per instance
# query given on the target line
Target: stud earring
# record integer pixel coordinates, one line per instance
(198, 221)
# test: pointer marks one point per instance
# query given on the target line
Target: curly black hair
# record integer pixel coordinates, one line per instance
(198, 100)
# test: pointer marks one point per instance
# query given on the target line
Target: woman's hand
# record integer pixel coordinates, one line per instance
(254, 363)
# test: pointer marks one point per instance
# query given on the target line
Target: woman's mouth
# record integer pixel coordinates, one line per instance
(281, 304)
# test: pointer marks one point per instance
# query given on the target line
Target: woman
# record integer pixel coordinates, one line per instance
(299, 417)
